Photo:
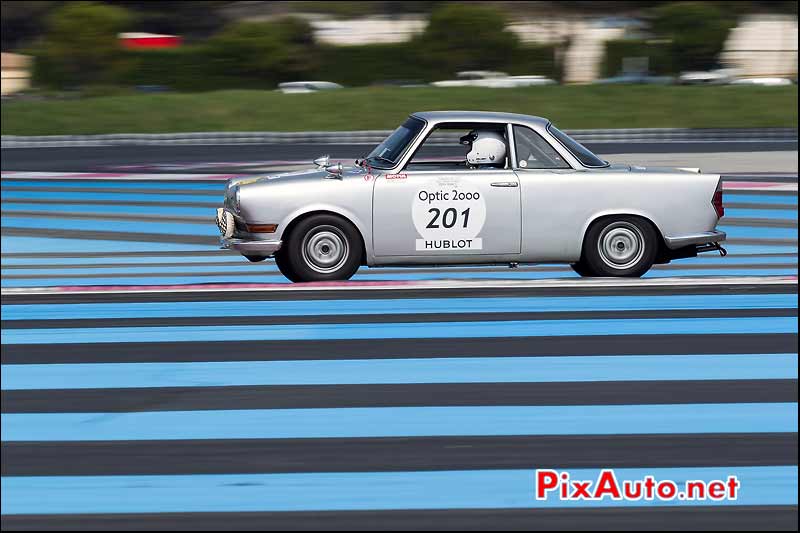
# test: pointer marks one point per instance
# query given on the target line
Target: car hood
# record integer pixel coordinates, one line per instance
(296, 176)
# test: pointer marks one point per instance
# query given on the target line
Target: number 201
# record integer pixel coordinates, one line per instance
(449, 217)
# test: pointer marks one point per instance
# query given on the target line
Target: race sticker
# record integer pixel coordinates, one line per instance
(448, 218)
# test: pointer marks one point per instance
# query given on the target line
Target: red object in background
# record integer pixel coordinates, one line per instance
(149, 40)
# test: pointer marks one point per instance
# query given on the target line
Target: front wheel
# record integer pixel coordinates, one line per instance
(323, 248)
(620, 246)
(282, 261)
(581, 269)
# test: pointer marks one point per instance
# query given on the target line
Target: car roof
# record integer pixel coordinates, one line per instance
(478, 116)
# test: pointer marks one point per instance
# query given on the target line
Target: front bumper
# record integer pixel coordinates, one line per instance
(251, 247)
(226, 223)
(681, 241)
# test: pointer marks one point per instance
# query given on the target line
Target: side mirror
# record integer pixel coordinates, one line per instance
(334, 171)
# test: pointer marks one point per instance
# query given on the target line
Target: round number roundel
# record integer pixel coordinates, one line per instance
(448, 218)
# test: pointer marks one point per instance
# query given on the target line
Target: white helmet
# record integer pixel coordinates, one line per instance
(486, 148)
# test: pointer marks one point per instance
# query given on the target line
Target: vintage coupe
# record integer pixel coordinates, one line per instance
(464, 187)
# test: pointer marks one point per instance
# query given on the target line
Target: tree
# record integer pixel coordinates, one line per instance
(81, 44)
(696, 32)
(464, 36)
(275, 51)
(22, 22)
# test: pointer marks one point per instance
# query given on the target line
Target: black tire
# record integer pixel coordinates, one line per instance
(581, 268)
(622, 246)
(323, 248)
(255, 258)
(282, 261)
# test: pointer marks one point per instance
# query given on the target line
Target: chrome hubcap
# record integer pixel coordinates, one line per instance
(325, 249)
(621, 245)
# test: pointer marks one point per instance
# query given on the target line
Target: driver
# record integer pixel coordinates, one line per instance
(487, 149)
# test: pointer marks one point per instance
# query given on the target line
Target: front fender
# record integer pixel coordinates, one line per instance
(361, 225)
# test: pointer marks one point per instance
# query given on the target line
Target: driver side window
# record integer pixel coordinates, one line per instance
(446, 148)
(535, 152)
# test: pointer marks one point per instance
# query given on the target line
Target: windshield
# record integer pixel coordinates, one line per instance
(583, 154)
(386, 154)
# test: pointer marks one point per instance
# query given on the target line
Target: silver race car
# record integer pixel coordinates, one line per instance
(463, 187)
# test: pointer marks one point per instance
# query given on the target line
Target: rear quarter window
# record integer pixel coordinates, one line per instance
(534, 152)
(581, 153)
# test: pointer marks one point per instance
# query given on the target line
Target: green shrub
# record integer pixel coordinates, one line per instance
(187, 68)
(466, 37)
(368, 64)
(657, 53)
(276, 51)
(81, 45)
(696, 30)
(259, 55)
(245, 55)
(534, 59)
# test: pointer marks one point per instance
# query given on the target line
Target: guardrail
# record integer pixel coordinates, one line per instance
(636, 135)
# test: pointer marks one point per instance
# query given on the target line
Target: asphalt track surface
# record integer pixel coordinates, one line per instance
(150, 380)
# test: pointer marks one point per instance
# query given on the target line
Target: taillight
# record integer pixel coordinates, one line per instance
(716, 201)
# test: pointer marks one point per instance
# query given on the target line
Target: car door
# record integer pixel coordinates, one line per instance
(549, 184)
(447, 214)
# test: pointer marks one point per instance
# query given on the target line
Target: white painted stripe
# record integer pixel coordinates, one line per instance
(606, 283)
(758, 186)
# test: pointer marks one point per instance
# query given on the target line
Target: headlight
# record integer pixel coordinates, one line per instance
(232, 198)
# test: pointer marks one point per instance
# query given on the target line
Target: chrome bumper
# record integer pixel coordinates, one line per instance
(673, 243)
(245, 247)
(227, 227)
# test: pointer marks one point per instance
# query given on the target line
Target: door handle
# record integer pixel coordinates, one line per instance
(505, 184)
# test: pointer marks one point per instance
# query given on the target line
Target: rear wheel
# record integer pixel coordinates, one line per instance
(322, 248)
(620, 246)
